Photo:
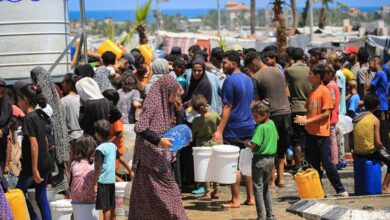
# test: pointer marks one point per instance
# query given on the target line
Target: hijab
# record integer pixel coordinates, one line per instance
(200, 86)
(160, 67)
(88, 89)
(85, 70)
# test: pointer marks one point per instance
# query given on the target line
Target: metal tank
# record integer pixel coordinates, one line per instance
(33, 33)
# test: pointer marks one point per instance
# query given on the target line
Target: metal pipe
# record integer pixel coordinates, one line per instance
(83, 23)
(63, 53)
(219, 17)
(311, 19)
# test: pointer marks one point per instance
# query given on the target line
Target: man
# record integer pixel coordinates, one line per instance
(270, 83)
(179, 68)
(297, 80)
(237, 124)
(378, 85)
(253, 63)
(315, 56)
(362, 57)
(351, 54)
(215, 64)
(5, 115)
(126, 62)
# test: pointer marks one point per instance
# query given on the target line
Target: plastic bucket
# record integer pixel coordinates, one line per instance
(128, 188)
(50, 193)
(202, 164)
(85, 211)
(61, 209)
(129, 143)
(120, 198)
(225, 161)
(245, 162)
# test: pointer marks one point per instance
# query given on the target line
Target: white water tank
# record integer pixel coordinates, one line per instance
(33, 33)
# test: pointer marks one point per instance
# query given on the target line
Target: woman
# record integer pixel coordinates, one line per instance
(95, 106)
(85, 70)
(36, 162)
(199, 82)
(155, 194)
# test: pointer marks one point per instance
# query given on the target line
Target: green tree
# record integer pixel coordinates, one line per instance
(305, 12)
(324, 8)
(294, 10)
(253, 17)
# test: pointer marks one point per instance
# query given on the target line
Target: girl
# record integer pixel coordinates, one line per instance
(81, 182)
(129, 99)
(36, 162)
(203, 128)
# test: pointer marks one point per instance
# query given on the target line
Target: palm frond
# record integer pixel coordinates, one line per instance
(142, 12)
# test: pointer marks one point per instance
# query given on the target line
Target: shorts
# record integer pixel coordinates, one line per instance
(283, 126)
(105, 198)
(298, 132)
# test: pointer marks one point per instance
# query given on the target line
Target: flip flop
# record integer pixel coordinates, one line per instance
(248, 204)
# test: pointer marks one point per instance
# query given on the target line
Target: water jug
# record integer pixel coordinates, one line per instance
(368, 177)
(309, 184)
(108, 45)
(17, 203)
(181, 135)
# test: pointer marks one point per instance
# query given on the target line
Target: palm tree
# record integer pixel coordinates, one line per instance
(324, 7)
(280, 25)
(305, 12)
(253, 17)
(294, 10)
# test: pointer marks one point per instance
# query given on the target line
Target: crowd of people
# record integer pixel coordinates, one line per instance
(73, 133)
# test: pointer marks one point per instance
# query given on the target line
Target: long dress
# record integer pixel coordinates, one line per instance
(5, 210)
(155, 194)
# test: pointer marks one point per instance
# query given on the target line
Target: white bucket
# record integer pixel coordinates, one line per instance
(120, 198)
(85, 211)
(245, 162)
(129, 143)
(128, 188)
(202, 164)
(61, 209)
(50, 193)
(225, 159)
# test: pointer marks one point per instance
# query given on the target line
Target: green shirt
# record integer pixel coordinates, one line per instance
(203, 128)
(265, 138)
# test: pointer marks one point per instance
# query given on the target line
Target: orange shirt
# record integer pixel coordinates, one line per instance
(119, 142)
(319, 100)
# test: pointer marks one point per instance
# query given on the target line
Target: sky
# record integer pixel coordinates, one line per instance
(191, 4)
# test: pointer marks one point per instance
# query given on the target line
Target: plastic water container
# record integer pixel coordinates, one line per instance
(147, 52)
(309, 184)
(129, 143)
(225, 162)
(181, 135)
(202, 164)
(17, 203)
(61, 209)
(128, 188)
(50, 193)
(85, 211)
(108, 45)
(367, 176)
(120, 198)
(245, 162)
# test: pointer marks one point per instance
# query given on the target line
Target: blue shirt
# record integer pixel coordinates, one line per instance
(353, 103)
(341, 83)
(379, 85)
(386, 69)
(238, 91)
(107, 169)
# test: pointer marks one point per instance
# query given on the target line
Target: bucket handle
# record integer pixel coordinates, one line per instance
(305, 165)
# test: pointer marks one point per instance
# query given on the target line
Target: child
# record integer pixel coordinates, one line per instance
(130, 101)
(317, 125)
(203, 128)
(104, 178)
(263, 144)
(81, 176)
(353, 101)
(366, 137)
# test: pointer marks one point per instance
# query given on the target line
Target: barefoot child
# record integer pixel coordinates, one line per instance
(81, 173)
(203, 128)
(263, 144)
(104, 178)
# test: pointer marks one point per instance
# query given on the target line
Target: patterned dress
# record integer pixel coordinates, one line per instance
(5, 211)
(155, 194)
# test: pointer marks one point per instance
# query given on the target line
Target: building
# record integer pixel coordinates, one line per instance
(384, 11)
(354, 12)
(269, 16)
(236, 13)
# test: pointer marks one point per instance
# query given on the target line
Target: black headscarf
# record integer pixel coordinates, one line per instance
(85, 70)
(5, 113)
(200, 86)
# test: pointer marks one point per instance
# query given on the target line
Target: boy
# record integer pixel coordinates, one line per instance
(366, 137)
(354, 99)
(317, 125)
(264, 145)
(104, 177)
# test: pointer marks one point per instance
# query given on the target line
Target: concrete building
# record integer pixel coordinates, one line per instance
(384, 11)
(236, 13)
(354, 12)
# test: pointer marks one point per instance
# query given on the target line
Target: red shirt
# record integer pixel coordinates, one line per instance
(335, 96)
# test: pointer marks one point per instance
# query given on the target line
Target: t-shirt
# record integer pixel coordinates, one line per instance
(355, 69)
(108, 153)
(379, 86)
(34, 125)
(297, 79)
(203, 128)
(270, 84)
(92, 111)
(319, 100)
(238, 90)
(72, 109)
(125, 104)
(353, 103)
(342, 86)
(348, 74)
(265, 138)
(386, 69)
(361, 80)
(335, 96)
(81, 187)
(116, 127)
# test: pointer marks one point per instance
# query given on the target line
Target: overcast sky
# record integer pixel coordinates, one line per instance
(189, 4)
